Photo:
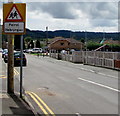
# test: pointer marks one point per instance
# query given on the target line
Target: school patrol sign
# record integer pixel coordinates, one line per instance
(14, 17)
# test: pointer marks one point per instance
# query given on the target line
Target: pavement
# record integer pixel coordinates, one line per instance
(11, 104)
(14, 106)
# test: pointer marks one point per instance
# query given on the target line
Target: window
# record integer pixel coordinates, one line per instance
(68, 43)
(61, 44)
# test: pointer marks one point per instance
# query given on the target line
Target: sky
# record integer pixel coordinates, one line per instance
(74, 15)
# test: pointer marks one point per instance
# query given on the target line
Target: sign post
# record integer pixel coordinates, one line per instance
(14, 17)
(21, 69)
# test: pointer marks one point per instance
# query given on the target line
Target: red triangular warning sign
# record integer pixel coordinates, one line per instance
(14, 15)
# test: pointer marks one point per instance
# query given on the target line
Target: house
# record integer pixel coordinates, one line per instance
(117, 42)
(60, 43)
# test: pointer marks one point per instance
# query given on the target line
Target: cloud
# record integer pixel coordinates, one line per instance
(55, 9)
(99, 10)
(83, 15)
(103, 23)
(65, 10)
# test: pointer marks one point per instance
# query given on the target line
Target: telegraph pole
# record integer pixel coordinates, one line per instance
(10, 75)
(10, 82)
(46, 36)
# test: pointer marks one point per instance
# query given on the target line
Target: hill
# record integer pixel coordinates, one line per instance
(95, 36)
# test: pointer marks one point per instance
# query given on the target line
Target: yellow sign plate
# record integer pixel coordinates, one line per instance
(14, 18)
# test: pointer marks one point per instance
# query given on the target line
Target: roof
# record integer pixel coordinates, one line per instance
(71, 40)
(112, 42)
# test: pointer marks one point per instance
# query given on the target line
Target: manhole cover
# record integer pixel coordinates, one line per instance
(43, 88)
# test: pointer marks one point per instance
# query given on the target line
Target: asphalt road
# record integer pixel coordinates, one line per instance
(69, 88)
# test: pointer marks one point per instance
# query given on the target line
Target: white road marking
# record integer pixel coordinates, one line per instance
(99, 84)
(108, 75)
(98, 73)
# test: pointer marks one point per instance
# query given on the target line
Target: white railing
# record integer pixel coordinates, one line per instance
(96, 58)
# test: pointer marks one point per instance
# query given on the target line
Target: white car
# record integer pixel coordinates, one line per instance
(37, 50)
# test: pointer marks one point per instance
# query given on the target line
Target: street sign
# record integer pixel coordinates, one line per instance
(14, 14)
(14, 17)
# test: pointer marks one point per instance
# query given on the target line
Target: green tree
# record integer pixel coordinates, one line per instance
(38, 44)
(27, 41)
(93, 45)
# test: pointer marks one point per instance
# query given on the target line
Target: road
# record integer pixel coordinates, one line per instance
(60, 87)
(69, 88)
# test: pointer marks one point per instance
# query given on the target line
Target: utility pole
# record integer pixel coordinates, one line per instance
(10, 82)
(86, 45)
(46, 36)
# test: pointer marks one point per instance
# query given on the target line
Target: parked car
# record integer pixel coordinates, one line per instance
(37, 50)
(28, 50)
(64, 52)
(5, 51)
(17, 59)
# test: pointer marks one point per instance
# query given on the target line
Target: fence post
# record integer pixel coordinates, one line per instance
(113, 65)
(94, 63)
(103, 60)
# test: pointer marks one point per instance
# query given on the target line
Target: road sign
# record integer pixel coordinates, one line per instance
(14, 14)
(14, 17)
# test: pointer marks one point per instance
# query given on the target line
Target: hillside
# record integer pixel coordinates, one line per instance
(95, 36)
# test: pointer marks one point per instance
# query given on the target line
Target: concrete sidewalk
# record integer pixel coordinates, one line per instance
(11, 104)
(14, 106)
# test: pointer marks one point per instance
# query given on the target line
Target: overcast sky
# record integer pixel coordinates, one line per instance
(79, 15)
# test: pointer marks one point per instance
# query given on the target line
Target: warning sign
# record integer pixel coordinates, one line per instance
(14, 17)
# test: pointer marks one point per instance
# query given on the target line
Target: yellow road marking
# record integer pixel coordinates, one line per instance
(51, 112)
(41, 107)
(41, 101)
(3, 76)
(16, 72)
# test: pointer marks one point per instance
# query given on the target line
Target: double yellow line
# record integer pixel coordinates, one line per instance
(42, 105)
(15, 73)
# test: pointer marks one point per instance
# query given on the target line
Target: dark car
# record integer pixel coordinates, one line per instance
(5, 51)
(17, 59)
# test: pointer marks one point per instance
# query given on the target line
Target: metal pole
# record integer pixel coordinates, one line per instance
(10, 82)
(21, 69)
(46, 36)
(86, 46)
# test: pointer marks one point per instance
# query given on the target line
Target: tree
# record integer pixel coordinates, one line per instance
(82, 40)
(27, 41)
(31, 44)
(38, 44)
